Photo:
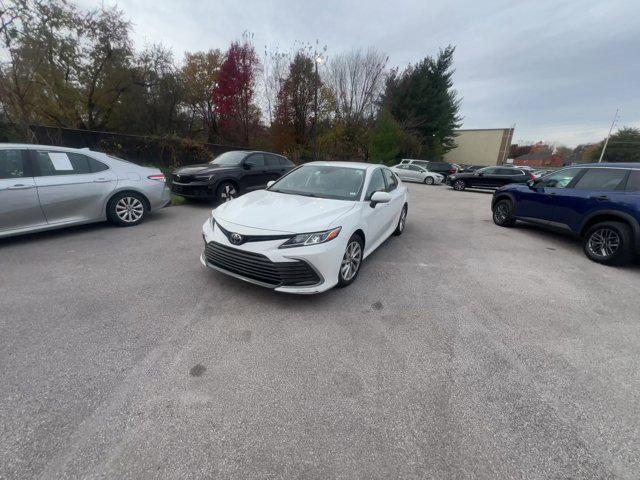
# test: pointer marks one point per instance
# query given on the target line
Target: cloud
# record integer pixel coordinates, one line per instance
(556, 69)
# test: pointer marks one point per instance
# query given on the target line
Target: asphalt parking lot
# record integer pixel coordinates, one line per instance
(463, 350)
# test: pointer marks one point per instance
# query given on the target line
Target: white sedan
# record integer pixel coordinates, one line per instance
(308, 231)
(416, 173)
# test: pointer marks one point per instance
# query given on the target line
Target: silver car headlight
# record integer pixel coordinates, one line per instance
(306, 239)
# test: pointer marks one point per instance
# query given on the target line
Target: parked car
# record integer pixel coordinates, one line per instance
(44, 187)
(598, 203)
(443, 168)
(229, 175)
(488, 177)
(471, 168)
(310, 230)
(415, 173)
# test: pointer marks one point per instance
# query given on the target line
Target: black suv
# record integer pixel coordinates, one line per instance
(229, 175)
(489, 177)
(443, 168)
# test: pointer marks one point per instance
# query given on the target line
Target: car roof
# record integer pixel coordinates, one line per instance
(32, 146)
(347, 164)
(608, 164)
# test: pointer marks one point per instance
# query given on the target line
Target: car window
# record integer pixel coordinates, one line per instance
(558, 179)
(392, 181)
(323, 181)
(62, 163)
(272, 160)
(490, 171)
(602, 179)
(403, 167)
(96, 166)
(508, 171)
(12, 164)
(284, 162)
(633, 183)
(376, 184)
(255, 160)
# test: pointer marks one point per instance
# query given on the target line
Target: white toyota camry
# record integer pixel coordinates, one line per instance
(310, 230)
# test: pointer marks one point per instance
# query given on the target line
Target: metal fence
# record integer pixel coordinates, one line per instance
(164, 152)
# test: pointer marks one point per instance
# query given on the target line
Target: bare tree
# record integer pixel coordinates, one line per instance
(357, 80)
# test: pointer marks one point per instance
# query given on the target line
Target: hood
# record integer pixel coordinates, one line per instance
(281, 212)
(202, 168)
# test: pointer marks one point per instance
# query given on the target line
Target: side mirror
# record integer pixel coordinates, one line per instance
(379, 197)
(531, 184)
(270, 182)
(480, 174)
(246, 166)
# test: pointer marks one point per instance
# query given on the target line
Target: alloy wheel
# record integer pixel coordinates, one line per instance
(129, 209)
(428, 181)
(604, 242)
(459, 185)
(228, 193)
(501, 213)
(351, 260)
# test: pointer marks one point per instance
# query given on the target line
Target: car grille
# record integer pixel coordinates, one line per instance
(182, 178)
(255, 266)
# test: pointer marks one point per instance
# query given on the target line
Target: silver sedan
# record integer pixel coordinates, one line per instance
(44, 187)
(414, 173)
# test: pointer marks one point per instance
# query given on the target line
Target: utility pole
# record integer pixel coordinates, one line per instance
(606, 142)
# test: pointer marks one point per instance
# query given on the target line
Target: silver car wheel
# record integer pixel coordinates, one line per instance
(428, 180)
(351, 261)
(129, 209)
(604, 243)
(228, 193)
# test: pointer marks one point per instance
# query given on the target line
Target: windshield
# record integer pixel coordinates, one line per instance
(323, 181)
(229, 158)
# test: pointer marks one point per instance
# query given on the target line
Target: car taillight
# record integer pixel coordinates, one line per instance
(158, 176)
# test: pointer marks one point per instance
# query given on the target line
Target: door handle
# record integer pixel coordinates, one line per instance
(20, 186)
(552, 194)
(600, 197)
(101, 180)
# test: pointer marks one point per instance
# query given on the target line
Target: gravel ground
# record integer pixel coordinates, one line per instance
(463, 350)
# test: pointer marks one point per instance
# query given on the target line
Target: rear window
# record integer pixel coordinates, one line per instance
(633, 183)
(602, 179)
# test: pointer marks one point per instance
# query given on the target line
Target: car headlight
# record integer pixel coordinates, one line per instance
(206, 177)
(305, 239)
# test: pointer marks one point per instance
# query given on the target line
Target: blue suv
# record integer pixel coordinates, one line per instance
(598, 203)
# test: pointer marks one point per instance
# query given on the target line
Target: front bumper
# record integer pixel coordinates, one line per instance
(324, 259)
(193, 189)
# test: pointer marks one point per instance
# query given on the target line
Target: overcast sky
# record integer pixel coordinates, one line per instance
(556, 69)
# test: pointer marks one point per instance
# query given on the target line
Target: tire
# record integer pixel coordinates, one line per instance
(127, 209)
(609, 243)
(503, 214)
(226, 192)
(459, 185)
(402, 221)
(428, 181)
(351, 262)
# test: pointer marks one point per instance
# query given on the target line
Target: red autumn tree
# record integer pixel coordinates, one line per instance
(239, 117)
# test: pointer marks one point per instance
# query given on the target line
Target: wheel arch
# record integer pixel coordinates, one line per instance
(608, 216)
(503, 196)
(360, 232)
(233, 180)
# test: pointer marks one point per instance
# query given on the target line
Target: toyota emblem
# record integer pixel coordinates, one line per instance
(235, 238)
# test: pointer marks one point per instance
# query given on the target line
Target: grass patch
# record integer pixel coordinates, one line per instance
(178, 200)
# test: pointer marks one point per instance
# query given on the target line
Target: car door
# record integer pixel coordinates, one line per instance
(255, 175)
(401, 171)
(273, 166)
(416, 173)
(72, 187)
(394, 207)
(375, 219)
(19, 204)
(488, 178)
(536, 201)
(505, 176)
(598, 188)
